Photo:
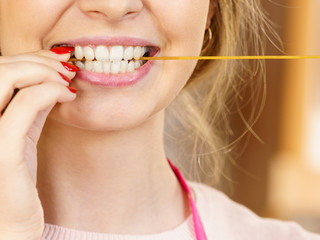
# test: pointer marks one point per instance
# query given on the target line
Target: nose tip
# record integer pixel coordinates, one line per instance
(121, 9)
(112, 10)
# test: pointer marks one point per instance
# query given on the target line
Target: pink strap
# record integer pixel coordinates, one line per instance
(198, 227)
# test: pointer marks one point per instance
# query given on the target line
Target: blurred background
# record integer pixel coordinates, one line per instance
(280, 178)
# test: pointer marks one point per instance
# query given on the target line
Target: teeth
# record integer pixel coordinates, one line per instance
(131, 66)
(88, 65)
(80, 64)
(115, 67)
(114, 59)
(123, 66)
(137, 64)
(137, 53)
(116, 53)
(143, 51)
(98, 66)
(88, 53)
(107, 67)
(102, 53)
(78, 52)
(128, 53)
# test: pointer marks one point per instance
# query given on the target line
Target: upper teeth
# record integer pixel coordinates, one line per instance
(114, 53)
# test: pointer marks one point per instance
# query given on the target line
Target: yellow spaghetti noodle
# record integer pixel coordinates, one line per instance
(228, 57)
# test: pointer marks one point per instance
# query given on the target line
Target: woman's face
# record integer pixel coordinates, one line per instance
(175, 27)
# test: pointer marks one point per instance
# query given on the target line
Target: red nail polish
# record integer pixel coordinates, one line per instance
(70, 67)
(65, 77)
(62, 50)
(73, 90)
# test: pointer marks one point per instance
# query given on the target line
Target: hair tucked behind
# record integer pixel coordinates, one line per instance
(197, 130)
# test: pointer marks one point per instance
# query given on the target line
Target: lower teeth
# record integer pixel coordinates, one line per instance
(110, 67)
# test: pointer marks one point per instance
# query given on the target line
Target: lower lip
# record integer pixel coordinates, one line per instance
(115, 80)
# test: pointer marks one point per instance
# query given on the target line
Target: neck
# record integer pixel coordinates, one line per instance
(103, 181)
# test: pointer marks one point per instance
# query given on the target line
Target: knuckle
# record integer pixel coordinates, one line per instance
(53, 88)
(46, 73)
(31, 95)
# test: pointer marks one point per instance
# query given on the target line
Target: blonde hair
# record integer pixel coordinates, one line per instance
(197, 130)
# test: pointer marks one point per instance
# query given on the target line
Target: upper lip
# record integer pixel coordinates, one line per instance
(108, 41)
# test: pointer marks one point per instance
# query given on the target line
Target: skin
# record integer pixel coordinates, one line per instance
(101, 160)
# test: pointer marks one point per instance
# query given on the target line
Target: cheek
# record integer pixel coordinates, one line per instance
(182, 22)
(24, 23)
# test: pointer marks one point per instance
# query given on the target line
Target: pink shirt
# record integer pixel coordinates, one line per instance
(222, 219)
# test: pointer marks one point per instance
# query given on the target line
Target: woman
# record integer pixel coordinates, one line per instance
(82, 150)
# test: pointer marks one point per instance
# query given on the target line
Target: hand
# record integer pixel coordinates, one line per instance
(42, 81)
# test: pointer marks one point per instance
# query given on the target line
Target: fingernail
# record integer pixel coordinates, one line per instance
(73, 90)
(65, 77)
(70, 67)
(62, 50)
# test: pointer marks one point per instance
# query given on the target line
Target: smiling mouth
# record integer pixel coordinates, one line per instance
(110, 59)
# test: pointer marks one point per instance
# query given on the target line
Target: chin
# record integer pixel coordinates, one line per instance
(97, 119)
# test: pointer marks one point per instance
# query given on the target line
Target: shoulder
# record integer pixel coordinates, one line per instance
(225, 219)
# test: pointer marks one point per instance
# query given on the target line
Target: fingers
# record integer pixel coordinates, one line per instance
(24, 74)
(39, 55)
(42, 57)
(41, 78)
(25, 106)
